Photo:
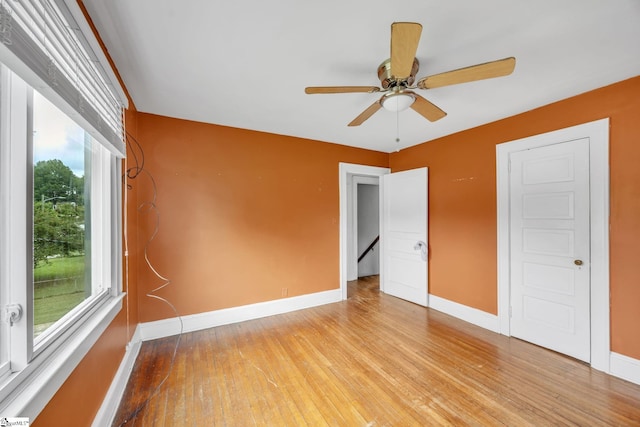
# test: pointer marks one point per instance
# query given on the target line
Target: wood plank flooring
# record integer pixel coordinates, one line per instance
(372, 360)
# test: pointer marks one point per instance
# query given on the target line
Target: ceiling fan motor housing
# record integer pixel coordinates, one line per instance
(388, 81)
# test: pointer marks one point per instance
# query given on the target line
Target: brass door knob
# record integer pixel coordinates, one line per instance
(578, 262)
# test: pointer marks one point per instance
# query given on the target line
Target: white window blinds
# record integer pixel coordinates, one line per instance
(42, 42)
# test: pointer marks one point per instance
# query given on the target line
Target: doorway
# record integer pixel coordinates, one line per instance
(403, 230)
(367, 226)
(544, 148)
(350, 175)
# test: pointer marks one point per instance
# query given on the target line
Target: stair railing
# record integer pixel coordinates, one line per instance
(369, 248)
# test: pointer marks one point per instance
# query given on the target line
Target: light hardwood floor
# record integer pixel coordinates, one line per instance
(372, 360)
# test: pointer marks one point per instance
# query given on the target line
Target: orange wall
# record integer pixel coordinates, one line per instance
(243, 215)
(462, 202)
(80, 397)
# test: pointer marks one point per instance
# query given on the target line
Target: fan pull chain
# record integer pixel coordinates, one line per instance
(397, 131)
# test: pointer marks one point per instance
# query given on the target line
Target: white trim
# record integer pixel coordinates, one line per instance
(625, 367)
(14, 177)
(346, 173)
(598, 134)
(109, 407)
(621, 366)
(195, 322)
(33, 393)
(468, 314)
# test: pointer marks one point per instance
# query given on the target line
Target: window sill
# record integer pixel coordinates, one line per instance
(27, 392)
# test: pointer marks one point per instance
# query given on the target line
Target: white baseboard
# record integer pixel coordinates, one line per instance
(466, 313)
(625, 367)
(112, 400)
(620, 366)
(196, 322)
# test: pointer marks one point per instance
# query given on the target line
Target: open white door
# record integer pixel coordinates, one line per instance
(403, 271)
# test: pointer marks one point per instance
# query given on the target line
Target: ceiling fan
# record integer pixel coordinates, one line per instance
(397, 75)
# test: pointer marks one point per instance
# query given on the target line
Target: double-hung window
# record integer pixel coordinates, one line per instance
(61, 147)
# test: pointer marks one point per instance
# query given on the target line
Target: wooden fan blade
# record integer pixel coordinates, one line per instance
(366, 114)
(341, 89)
(499, 68)
(404, 44)
(426, 109)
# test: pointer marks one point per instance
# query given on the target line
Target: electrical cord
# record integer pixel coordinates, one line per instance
(133, 173)
(135, 150)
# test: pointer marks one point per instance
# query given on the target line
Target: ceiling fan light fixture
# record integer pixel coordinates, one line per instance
(397, 101)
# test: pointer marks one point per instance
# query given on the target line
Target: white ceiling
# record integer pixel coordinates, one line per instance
(245, 63)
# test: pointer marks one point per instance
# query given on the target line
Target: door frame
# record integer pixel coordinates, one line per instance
(598, 134)
(347, 172)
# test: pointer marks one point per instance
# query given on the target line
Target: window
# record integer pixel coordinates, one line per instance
(58, 249)
(60, 200)
(62, 217)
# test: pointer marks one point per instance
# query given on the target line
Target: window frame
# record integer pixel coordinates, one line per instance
(38, 369)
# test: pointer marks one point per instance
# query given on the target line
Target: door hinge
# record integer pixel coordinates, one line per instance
(13, 313)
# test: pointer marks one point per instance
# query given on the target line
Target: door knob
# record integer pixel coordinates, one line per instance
(578, 262)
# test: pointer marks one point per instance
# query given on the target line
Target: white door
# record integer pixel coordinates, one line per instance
(404, 235)
(549, 233)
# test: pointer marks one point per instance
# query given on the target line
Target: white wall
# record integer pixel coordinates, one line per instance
(368, 228)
